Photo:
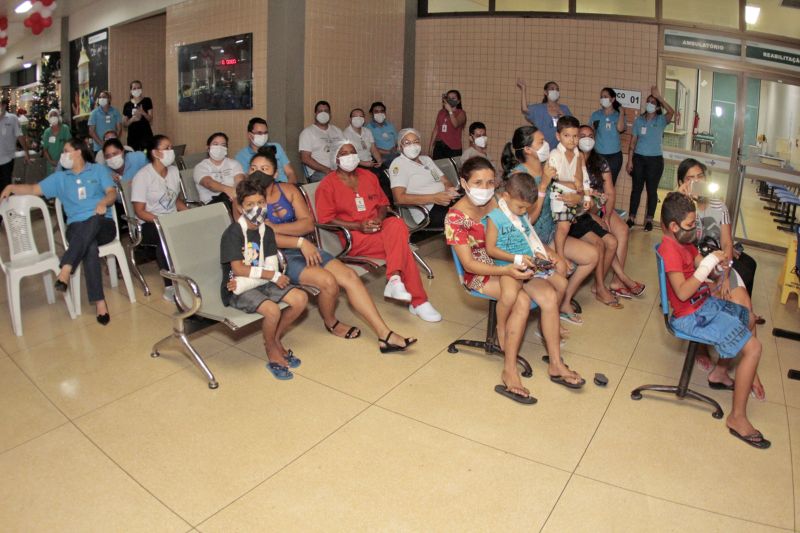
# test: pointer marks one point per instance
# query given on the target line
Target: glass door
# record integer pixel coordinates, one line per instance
(770, 153)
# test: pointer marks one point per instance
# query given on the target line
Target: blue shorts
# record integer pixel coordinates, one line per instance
(720, 323)
(296, 263)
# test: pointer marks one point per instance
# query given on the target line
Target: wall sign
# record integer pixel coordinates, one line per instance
(707, 45)
(88, 71)
(629, 99)
(774, 56)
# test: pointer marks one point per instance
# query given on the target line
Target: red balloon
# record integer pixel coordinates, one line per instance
(37, 30)
(3, 42)
(47, 22)
(3, 23)
(46, 2)
(27, 22)
(36, 18)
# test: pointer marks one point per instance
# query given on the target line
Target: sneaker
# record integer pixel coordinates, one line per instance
(648, 226)
(630, 222)
(426, 312)
(396, 290)
(169, 293)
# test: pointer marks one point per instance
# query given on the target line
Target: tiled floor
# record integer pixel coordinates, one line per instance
(97, 436)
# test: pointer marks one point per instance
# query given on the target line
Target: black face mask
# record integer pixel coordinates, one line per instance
(263, 179)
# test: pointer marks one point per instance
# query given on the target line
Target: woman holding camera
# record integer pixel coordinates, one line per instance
(446, 138)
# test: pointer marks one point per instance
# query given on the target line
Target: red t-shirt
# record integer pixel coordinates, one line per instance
(334, 199)
(446, 132)
(680, 258)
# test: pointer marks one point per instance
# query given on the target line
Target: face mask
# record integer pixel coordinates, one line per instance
(116, 162)
(136, 93)
(379, 117)
(263, 179)
(452, 101)
(218, 152)
(66, 161)
(357, 122)
(102, 102)
(605, 102)
(167, 157)
(348, 162)
(650, 108)
(260, 139)
(553, 95)
(481, 141)
(412, 151)
(53, 121)
(687, 236)
(480, 197)
(543, 152)
(323, 117)
(255, 215)
(586, 144)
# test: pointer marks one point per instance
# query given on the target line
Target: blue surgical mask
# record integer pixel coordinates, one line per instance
(650, 107)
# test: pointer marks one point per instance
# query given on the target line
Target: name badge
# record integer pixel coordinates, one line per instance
(81, 193)
(108, 119)
(385, 135)
(643, 130)
(360, 205)
(555, 121)
(608, 125)
(444, 128)
(52, 139)
(363, 145)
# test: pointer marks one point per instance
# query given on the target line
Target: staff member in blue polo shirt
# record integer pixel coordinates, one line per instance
(123, 164)
(86, 191)
(645, 157)
(257, 135)
(104, 118)
(544, 115)
(608, 122)
(384, 133)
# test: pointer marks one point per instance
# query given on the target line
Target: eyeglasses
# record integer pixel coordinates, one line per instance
(409, 143)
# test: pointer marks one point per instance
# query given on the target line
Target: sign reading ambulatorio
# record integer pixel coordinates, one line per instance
(707, 45)
(774, 56)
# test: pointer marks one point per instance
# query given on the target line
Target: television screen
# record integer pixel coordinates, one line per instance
(216, 74)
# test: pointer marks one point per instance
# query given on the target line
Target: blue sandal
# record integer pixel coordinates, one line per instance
(293, 361)
(279, 371)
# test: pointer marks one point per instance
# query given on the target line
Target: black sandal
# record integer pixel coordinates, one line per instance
(352, 333)
(60, 286)
(388, 347)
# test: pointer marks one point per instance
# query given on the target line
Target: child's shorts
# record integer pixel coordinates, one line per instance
(720, 323)
(250, 301)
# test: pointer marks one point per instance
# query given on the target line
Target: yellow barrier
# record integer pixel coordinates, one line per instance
(788, 281)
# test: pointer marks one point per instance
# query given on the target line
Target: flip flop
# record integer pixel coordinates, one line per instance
(760, 320)
(576, 306)
(352, 333)
(388, 347)
(756, 440)
(293, 361)
(622, 292)
(279, 371)
(561, 381)
(613, 304)
(717, 385)
(572, 318)
(503, 390)
(638, 289)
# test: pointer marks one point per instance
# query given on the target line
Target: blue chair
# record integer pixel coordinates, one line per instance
(682, 390)
(490, 345)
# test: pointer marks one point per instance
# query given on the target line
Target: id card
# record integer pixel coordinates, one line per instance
(555, 121)
(444, 128)
(52, 139)
(643, 130)
(108, 119)
(81, 193)
(608, 125)
(360, 205)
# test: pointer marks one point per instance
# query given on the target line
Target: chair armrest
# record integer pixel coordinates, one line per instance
(194, 290)
(408, 209)
(348, 238)
(134, 230)
(190, 204)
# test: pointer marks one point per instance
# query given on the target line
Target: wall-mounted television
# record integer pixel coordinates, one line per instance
(216, 75)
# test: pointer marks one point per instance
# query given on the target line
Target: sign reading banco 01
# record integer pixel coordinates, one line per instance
(629, 99)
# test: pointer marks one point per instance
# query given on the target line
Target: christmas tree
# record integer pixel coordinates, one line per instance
(45, 98)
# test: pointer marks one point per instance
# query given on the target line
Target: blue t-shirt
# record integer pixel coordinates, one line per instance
(246, 154)
(606, 136)
(545, 226)
(385, 135)
(134, 161)
(539, 117)
(104, 122)
(66, 186)
(649, 135)
(509, 239)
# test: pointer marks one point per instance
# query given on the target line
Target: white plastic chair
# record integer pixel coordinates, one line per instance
(113, 250)
(25, 259)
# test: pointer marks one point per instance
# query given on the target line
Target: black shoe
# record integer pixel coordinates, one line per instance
(648, 226)
(630, 222)
(60, 286)
(104, 319)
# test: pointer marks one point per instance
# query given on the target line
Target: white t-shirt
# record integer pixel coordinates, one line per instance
(224, 174)
(158, 194)
(422, 177)
(9, 131)
(321, 144)
(564, 182)
(363, 142)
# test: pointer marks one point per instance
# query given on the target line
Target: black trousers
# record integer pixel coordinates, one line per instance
(150, 237)
(6, 170)
(746, 267)
(84, 239)
(437, 214)
(441, 151)
(647, 170)
(615, 164)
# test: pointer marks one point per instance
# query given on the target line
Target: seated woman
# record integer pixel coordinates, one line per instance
(352, 197)
(288, 216)
(416, 179)
(156, 190)
(86, 191)
(714, 220)
(216, 177)
(526, 153)
(123, 164)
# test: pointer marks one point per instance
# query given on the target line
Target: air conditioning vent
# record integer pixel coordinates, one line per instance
(791, 3)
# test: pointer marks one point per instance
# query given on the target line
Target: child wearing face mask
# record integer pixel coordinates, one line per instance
(248, 254)
(478, 142)
(695, 312)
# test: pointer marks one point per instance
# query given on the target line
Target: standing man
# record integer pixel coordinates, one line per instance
(257, 136)
(10, 133)
(104, 118)
(317, 142)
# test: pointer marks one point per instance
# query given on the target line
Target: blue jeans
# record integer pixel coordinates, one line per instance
(720, 323)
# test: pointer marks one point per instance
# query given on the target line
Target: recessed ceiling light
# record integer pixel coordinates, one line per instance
(24, 7)
(751, 14)
(27, 65)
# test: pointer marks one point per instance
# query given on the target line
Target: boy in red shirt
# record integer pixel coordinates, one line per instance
(722, 324)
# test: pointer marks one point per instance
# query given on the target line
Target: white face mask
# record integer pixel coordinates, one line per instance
(553, 95)
(167, 157)
(323, 117)
(348, 162)
(116, 162)
(218, 152)
(136, 93)
(379, 117)
(605, 102)
(481, 141)
(412, 151)
(53, 121)
(650, 108)
(102, 102)
(260, 140)
(357, 122)
(480, 197)
(66, 160)
(586, 144)
(544, 152)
